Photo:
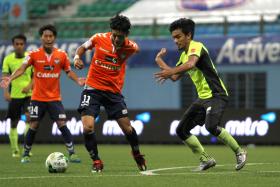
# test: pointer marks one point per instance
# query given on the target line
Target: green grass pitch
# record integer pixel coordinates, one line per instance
(169, 165)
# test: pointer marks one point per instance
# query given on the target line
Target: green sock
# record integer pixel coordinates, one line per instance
(14, 139)
(228, 140)
(26, 128)
(197, 148)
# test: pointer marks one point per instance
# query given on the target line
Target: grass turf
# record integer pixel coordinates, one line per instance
(263, 168)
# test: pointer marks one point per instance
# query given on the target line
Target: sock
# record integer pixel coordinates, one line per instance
(132, 138)
(68, 140)
(91, 145)
(26, 128)
(13, 136)
(228, 140)
(197, 148)
(29, 139)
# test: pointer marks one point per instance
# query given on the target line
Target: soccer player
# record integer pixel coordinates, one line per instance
(103, 86)
(20, 93)
(47, 62)
(213, 95)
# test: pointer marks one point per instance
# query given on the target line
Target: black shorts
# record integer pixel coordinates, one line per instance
(17, 107)
(37, 110)
(92, 100)
(206, 111)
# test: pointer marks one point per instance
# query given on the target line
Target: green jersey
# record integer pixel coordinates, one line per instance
(204, 75)
(10, 65)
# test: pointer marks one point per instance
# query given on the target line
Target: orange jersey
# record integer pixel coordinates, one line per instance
(107, 68)
(47, 69)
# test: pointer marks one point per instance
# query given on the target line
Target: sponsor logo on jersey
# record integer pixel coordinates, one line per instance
(40, 61)
(48, 67)
(107, 66)
(111, 59)
(47, 75)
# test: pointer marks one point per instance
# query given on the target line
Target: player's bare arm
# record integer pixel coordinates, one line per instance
(6, 95)
(78, 63)
(163, 66)
(79, 80)
(167, 73)
(7, 80)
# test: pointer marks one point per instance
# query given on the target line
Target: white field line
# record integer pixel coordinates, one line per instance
(153, 171)
(148, 172)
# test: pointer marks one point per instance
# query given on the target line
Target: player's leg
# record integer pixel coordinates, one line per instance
(132, 138)
(194, 115)
(14, 111)
(25, 110)
(57, 114)
(36, 111)
(116, 109)
(214, 112)
(89, 109)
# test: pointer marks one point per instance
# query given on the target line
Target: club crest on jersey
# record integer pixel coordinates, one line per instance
(56, 61)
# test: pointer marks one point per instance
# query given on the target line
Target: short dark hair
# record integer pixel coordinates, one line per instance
(186, 25)
(120, 23)
(19, 36)
(48, 27)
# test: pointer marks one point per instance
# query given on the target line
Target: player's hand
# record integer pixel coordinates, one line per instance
(7, 96)
(161, 80)
(78, 63)
(165, 74)
(161, 53)
(5, 81)
(25, 90)
(81, 81)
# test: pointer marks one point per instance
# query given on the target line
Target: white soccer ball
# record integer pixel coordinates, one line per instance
(56, 162)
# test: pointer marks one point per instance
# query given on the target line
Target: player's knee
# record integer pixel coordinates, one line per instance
(214, 130)
(34, 125)
(88, 128)
(181, 133)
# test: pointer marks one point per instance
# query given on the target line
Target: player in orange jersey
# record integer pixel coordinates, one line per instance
(47, 63)
(104, 84)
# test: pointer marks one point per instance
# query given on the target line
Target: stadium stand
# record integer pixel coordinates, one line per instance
(253, 18)
(40, 8)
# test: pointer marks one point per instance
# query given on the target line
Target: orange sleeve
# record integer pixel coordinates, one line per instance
(28, 59)
(91, 42)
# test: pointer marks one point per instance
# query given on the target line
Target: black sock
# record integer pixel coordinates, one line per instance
(133, 141)
(91, 145)
(68, 140)
(29, 139)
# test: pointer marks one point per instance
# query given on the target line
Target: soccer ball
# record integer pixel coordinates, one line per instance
(56, 162)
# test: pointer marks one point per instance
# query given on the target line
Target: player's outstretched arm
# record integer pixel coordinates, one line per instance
(6, 94)
(5, 81)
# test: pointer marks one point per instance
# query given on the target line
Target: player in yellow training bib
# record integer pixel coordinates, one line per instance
(20, 91)
(212, 93)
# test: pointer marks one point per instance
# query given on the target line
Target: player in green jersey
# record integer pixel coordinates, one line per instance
(212, 93)
(19, 94)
